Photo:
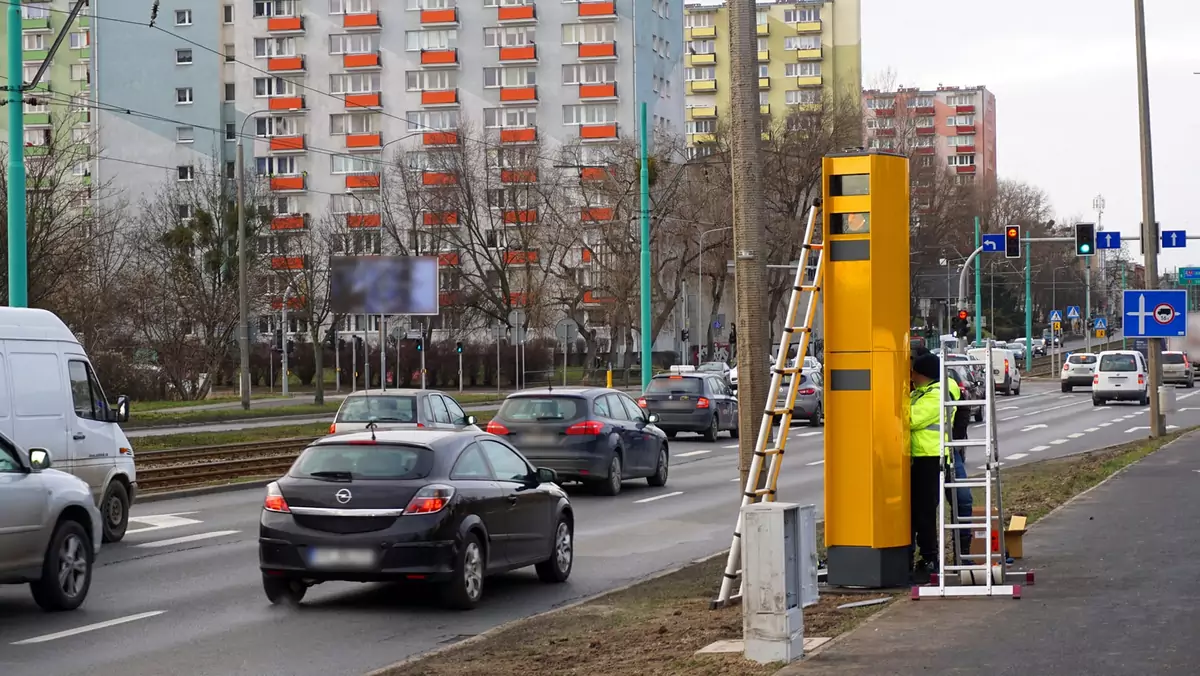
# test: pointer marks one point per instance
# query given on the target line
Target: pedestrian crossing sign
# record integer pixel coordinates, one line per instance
(1056, 316)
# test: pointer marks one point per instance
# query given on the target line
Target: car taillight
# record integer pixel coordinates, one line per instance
(808, 391)
(333, 428)
(496, 428)
(430, 499)
(1096, 379)
(642, 403)
(1066, 366)
(587, 427)
(274, 501)
(1006, 366)
(702, 402)
(1141, 379)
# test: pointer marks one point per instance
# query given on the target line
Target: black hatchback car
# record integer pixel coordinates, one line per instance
(596, 436)
(444, 507)
(692, 402)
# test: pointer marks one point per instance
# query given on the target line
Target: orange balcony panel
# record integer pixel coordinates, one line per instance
(594, 173)
(525, 216)
(597, 214)
(364, 140)
(294, 303)
(362, 181)
(511, 94)
(886, 131)
(439, 16)
(964, 110)
(597, 9)
(521, 13)
(598, 50)
(448, 259)
(885, 112)
(966, 169)
(520, 257)
(372, 100)
(593, 297)
(360, 60)
(926, 131)
(439, 98)
(964, 129)
(586, 255)
(291, 222)
(285, 103)
(285, 23)
(286, 143)
(518, 135)
(285, 63)
(441, 218)
(593, 131)
(440, 138)
(925, 150)
(518, 175)
(369, 20)
(964, 149)
(517, 299)
(287, 183)
(446, 298)
(924, 110)
(363, 220)
(526, 53)
(438, 57)
(598, 91)
(287, 263)
(438, 178)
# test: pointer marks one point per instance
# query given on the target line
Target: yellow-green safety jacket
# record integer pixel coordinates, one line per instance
(924, 418)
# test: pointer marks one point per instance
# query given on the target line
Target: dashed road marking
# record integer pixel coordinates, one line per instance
(1134, 429)
(1011, 417)
(1016, 456)
(1056, 442)
(728, 446)
(161, 521)
(690, 454)
(808, 434)
(1039, 449)
(1092, 429)
(1007, 408)
(1105, 424)
(819, 462)
(658, 497)
(1075, 435)
(187, 538)
(90, 627)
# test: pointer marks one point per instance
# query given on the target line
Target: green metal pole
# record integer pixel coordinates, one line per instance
(1124, 267)
(1029, 309)
(18, 292)
(647, 339)
(978, 288)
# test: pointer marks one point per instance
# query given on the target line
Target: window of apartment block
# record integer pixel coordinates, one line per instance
(705, 46)
(802, 42)
(508, 36)
(80, 40)
(761, 17)
(702, 73)
(700, 126)
(35, 10)
(341, 124)
(415, 41)
(354, 83)
(229, 54)
(351, 6)
(506, 3)
(802, 69)
(230, 131)
(272, 47)
(426, 80)
(961, 160)
(228, 13)
(698, 20)
(230, 170)
(183, 57)
(961, 100)
(276, 126)
(183, 95)
(354, 43)
(185, 172)
(507, 118)
(432, 120)
(267, 8)
(961, 120)
(921, 102)
(802, 15)
(595, 113)
(183, 17)
(230, 91)
(354, 204)
(590, 73)
(79, 72)
(802, 96)
(34, 41)
(509, 77)
(588, 33)
(273, 86)
(355, 164)
(184, 211)
(414, 5)
(185, 134)
(277, 166)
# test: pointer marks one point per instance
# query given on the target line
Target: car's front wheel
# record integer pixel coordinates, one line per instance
(659, 478)
(465, 588)
(283, 590)
(557, 568)
(115, 511)
(66, 569)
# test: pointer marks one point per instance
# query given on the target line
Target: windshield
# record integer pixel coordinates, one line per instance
(712, 366)
(539, 409)
(1082, 359)
(1118, 362)
(373, 461)
(382, 409)
(1173, 358)
(675, 385)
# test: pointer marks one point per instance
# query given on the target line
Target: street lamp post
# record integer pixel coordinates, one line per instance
(700, 284)
(283, 341)
(243, 295)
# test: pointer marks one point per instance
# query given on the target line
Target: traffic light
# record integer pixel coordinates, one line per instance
(291, 347)
(420, 347)
(457, 347)
(1085, 239)
(1012, 241)
(962, 322)
(683, 335)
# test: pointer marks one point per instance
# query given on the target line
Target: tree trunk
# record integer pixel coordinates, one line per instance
(318, 368)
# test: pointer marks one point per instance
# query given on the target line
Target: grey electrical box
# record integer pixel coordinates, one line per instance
(779, 577)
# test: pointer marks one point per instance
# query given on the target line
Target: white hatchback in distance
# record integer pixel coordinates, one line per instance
(1078, 370)
(1121, 375)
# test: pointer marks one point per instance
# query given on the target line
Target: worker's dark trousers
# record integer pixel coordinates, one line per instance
(925, 483)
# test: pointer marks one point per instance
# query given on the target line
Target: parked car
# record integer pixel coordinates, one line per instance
(57, 404)
(1078, 370)
(397, 409)
(596, 436)
(810, 399)
(1177, 370)
(702, 403)
(1006, 377)
(971, 386)
(50, 528)
(445, 507)
(1121, 375)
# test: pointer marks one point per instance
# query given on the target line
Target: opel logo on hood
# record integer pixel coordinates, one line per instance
(343, 496)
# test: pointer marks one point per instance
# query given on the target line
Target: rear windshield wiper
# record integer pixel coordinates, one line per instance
(332, 474)
(544, 418)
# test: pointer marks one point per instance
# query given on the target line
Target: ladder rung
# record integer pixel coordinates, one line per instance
(979, 567)
(792, 329)
(787, 370)
(967, 443)
(968, 484)
(967, 402)
(769, 451)
(815, 247)
(959, 526)
(965, 362)
(804, 287)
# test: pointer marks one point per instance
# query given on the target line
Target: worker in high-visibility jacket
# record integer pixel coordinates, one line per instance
(927, 450)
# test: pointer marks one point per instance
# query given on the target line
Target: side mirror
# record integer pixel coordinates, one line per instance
(653, 418)
(471, 420)
(39, 458)
(121, 414)
(546, 475)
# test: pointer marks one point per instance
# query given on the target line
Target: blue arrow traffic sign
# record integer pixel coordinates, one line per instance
(1056, 315)
(993, 243)
(1174, 239)
(1155, 313)
(1101, 323)
(1072, 312)
(1108, 240)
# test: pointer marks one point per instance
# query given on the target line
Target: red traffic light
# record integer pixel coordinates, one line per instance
(1013, 232)
(962, 314)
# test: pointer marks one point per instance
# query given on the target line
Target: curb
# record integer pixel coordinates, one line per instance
(197, 492)
(230, 421)
(385, 671)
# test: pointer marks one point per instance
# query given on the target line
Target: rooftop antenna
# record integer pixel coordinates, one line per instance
(549, 380)
(371, 426)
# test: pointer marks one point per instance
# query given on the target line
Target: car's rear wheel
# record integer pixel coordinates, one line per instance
(1067, 388)
(66, 569)
(671, 434)
(115, 512)
(979, 414)
(659, 478)
(283, 590)
(714, 428)
(557, 568)
(817, 417)
(735, 430)
(1190, 383)
(465, 588)
(611, 485)
(1096, 401)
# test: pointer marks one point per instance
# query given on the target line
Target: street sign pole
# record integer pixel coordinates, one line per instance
(978, 288)
(1029, 310)
(1087, 305)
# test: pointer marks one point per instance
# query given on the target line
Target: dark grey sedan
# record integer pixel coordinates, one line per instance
(692, 402)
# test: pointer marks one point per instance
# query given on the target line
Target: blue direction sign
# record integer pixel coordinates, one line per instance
(1101, 323)
(1056, 315)
(1108, 240)
(1155, 313)
(1174, 239)
(1072, 312)
(993, 243)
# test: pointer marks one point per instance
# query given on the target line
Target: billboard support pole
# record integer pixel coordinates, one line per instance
(423, 325)
(382, 352)
(366, 352)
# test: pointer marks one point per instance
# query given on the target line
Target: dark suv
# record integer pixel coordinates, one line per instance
(692, 402)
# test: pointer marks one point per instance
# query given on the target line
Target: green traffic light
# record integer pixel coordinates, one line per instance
(1085, 248)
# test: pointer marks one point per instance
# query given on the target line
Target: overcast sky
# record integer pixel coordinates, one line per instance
(1065, 80)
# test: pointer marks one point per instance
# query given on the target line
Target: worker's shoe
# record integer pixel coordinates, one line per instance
(923, 572)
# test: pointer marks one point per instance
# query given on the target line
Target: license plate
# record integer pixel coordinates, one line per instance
(329, 557)
(541, 439)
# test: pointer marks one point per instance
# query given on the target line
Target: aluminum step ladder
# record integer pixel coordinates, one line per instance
(984, 574)
(785, 382)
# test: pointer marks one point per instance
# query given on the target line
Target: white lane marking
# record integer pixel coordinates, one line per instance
(1092, 429)
(1117, 420)
(160, 521)
(659, 497)
(1105, 424)
(1007, 408)
(188, 538)
(1030, 428)
(1016, 456)
(1056, 442)
(690, 454)
(1011, 417)
(1172, 427)
(808, 434)
(999, 464)
(1075, 435)
(736, 478)
(726, 446)
(89, 627)
(1134, 429)
(819, 462)
(1039, 449)
(1185, 396)
(1063, 396)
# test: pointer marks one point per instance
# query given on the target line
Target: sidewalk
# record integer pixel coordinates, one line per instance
(1117, 593)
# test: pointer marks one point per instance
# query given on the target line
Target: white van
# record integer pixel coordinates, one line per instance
(1121, 375)
(50, 398)
(1005, 374)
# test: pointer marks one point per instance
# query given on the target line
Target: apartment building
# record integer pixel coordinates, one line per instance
(807, 52)
(952, 127)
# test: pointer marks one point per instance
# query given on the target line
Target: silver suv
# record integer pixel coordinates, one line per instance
(49, 528)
